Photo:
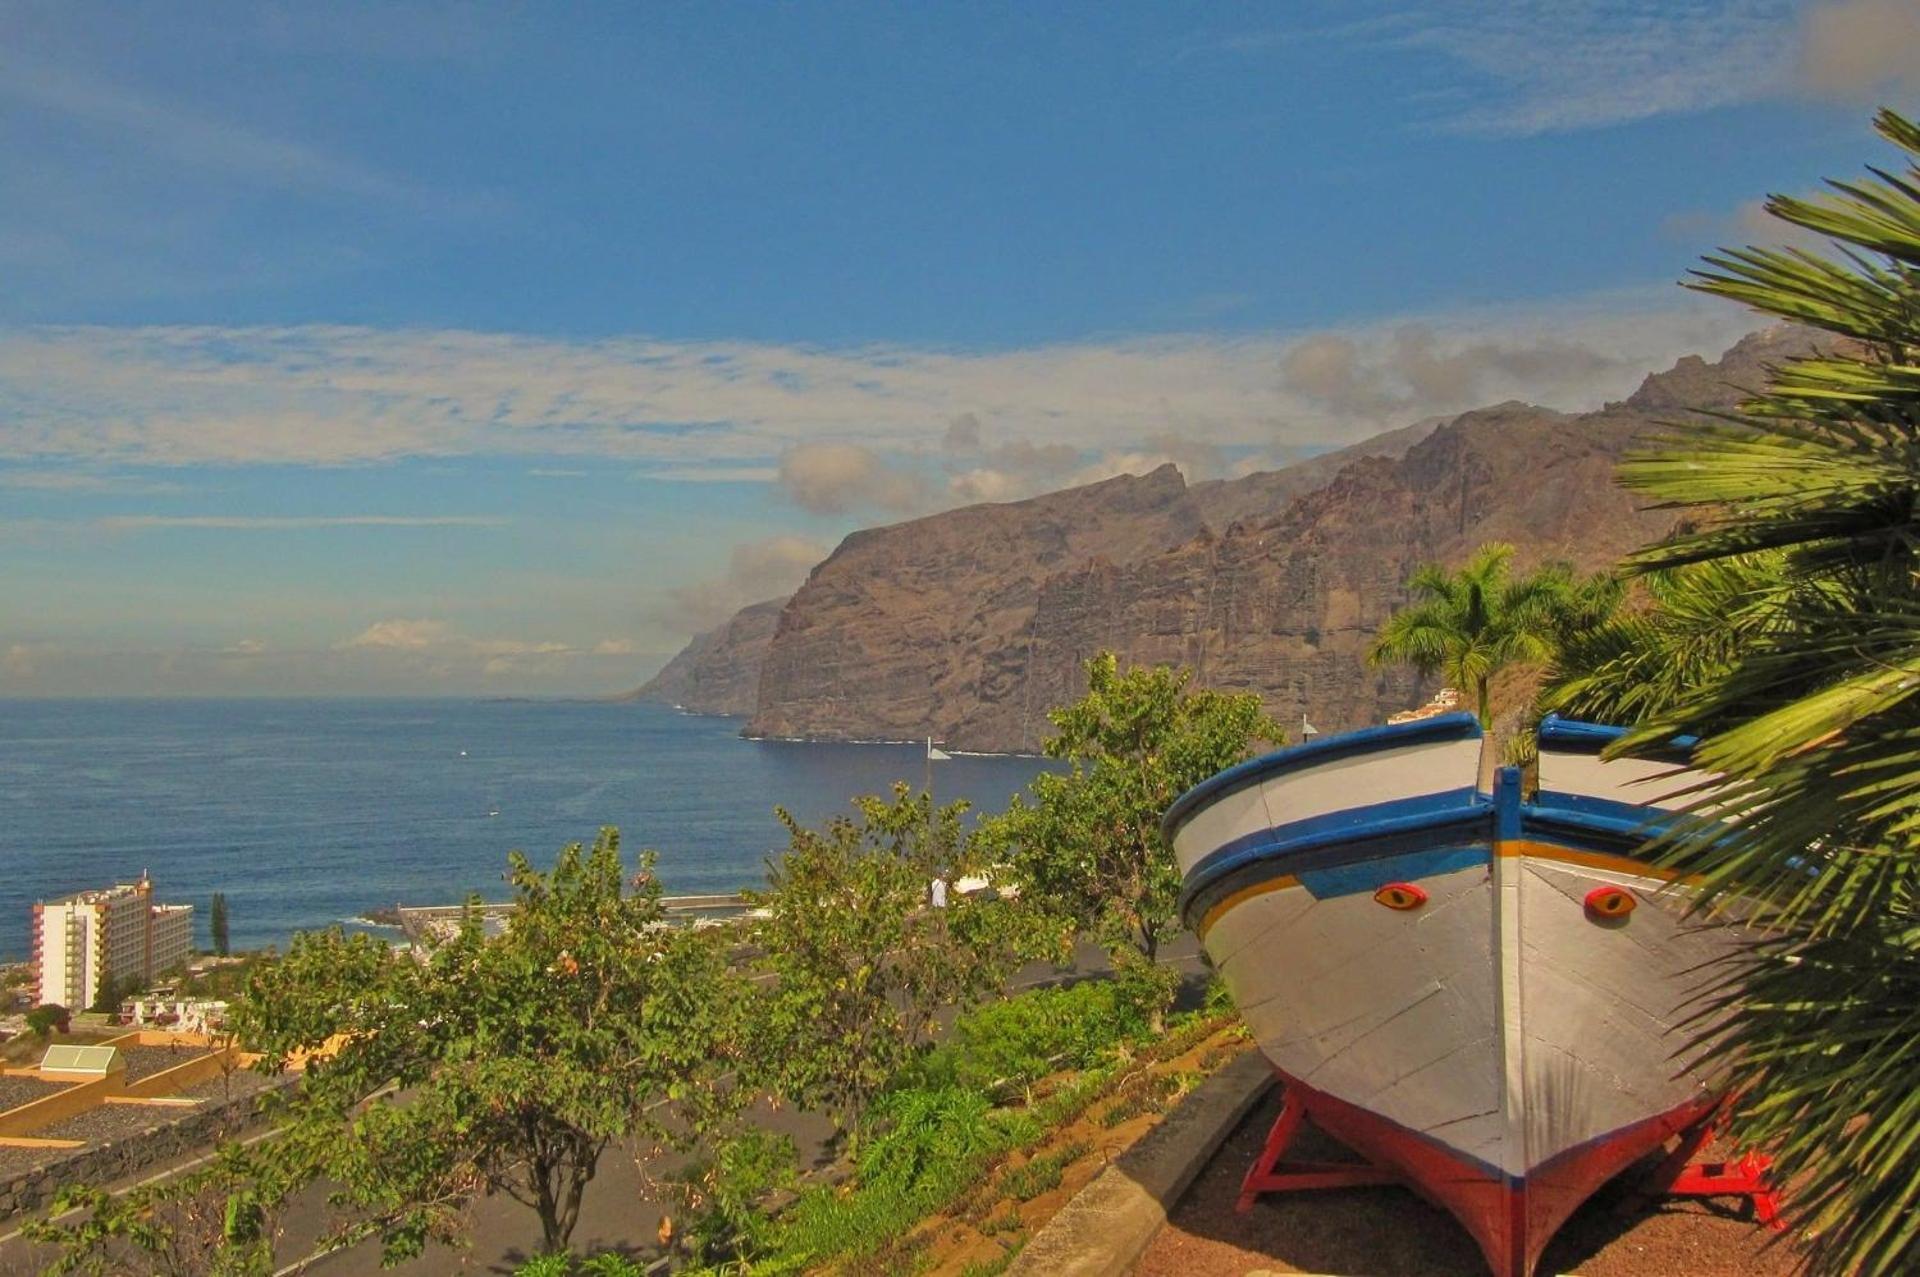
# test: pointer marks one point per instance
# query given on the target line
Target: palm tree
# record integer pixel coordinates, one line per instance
(1790, 619)
(1470, 624)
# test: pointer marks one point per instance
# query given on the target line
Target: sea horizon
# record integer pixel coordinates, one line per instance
(311, 811)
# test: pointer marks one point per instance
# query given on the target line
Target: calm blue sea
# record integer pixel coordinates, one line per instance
(307, 812)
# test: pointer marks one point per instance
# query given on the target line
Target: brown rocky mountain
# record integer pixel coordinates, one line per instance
(968, 625)
(718, 672)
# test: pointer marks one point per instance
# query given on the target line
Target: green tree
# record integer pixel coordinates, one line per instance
(219, 1221)
(217, 922)
(1808, 699)
(47, 1019)
(1085, 847)
(520, 1058)
(860, 964)
(1470, 624)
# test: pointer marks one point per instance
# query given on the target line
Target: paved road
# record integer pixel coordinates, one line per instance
(615, 1212)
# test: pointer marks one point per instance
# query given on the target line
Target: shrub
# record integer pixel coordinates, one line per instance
(925, 1131)
(1025, 1038)
(48, 1019)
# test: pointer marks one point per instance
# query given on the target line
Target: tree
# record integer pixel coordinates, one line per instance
(1469, 625)
(1808, 702)
(860, 965)
(219, 1221)
(521, 1057)
(1085, 846)
(217, 922)
(47, 1019)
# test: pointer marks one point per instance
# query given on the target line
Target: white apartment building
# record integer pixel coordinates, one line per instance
(82, 940)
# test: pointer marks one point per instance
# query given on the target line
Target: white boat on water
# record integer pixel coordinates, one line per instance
(1487, 994)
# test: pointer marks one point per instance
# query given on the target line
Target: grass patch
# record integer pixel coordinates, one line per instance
(1043, 1173)
(993, 1267)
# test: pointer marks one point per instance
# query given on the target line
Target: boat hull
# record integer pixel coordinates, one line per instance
(1429, 968)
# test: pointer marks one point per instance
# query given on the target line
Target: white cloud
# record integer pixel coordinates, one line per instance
(337, 396)
(85, 483)
(711, 474)
(185, 135)
(835, 478)
(1559, 65)
(435, 648)
(1861, 50)
(400, 635)
(285, 523)
(1575, 64)
(770, 568)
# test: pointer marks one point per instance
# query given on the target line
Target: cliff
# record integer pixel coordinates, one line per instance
(968, 625)
(717, 672)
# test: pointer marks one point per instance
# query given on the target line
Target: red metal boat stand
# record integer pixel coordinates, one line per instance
(1269, 1174)
(1678, 1174)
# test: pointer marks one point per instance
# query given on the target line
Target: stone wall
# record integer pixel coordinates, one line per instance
(108, 1163)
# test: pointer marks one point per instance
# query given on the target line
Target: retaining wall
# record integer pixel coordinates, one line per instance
(108, 1163)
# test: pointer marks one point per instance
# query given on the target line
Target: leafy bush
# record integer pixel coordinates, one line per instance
(47, 1019)
(924, 1129)
(1025, 1038)
(726, 1194)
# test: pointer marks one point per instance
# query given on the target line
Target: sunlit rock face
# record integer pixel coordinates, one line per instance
(967, 625)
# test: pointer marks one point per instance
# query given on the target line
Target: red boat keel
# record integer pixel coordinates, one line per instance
(1514, 1224)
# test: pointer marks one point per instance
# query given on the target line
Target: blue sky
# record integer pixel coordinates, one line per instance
(456, 349)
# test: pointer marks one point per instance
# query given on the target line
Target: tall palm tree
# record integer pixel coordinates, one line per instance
(1468, 625)
(1807, 697)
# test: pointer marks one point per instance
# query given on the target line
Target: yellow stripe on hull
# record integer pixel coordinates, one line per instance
(1240, 897)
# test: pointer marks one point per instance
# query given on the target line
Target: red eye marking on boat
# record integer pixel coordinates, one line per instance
(1400, 895)
(1610, 902)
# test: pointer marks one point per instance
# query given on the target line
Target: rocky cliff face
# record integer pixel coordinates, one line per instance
(719, 671)
(968, 625)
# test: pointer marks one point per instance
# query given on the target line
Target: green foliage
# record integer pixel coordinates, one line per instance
(861, 966)
(921, 1129)
(1085, 847)
(1791, 614)
(605, 1264)
(1469, 625)
(47, 1019)
(218, 1221)
(725, 1195)
(115, 991)
(217, 922)
(1020, 1040)
(520, 1057)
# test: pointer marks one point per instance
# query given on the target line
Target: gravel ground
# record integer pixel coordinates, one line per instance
(111, 1122)
(20, 1159)
(1388, 1232)
(215, 1088)
(144, 1061)
(15, 1091)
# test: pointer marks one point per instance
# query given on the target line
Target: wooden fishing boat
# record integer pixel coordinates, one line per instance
(1483, 993)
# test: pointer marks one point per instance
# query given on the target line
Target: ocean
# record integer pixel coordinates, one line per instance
(310, 812)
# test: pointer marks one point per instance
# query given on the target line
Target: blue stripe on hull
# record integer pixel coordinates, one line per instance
(1371, 875)
(1367, 740)
(1340, 838)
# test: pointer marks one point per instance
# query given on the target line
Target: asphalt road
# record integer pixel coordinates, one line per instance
(615, 1213)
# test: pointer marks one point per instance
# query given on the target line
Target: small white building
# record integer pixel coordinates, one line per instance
(186, 1015)
(83, 940)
